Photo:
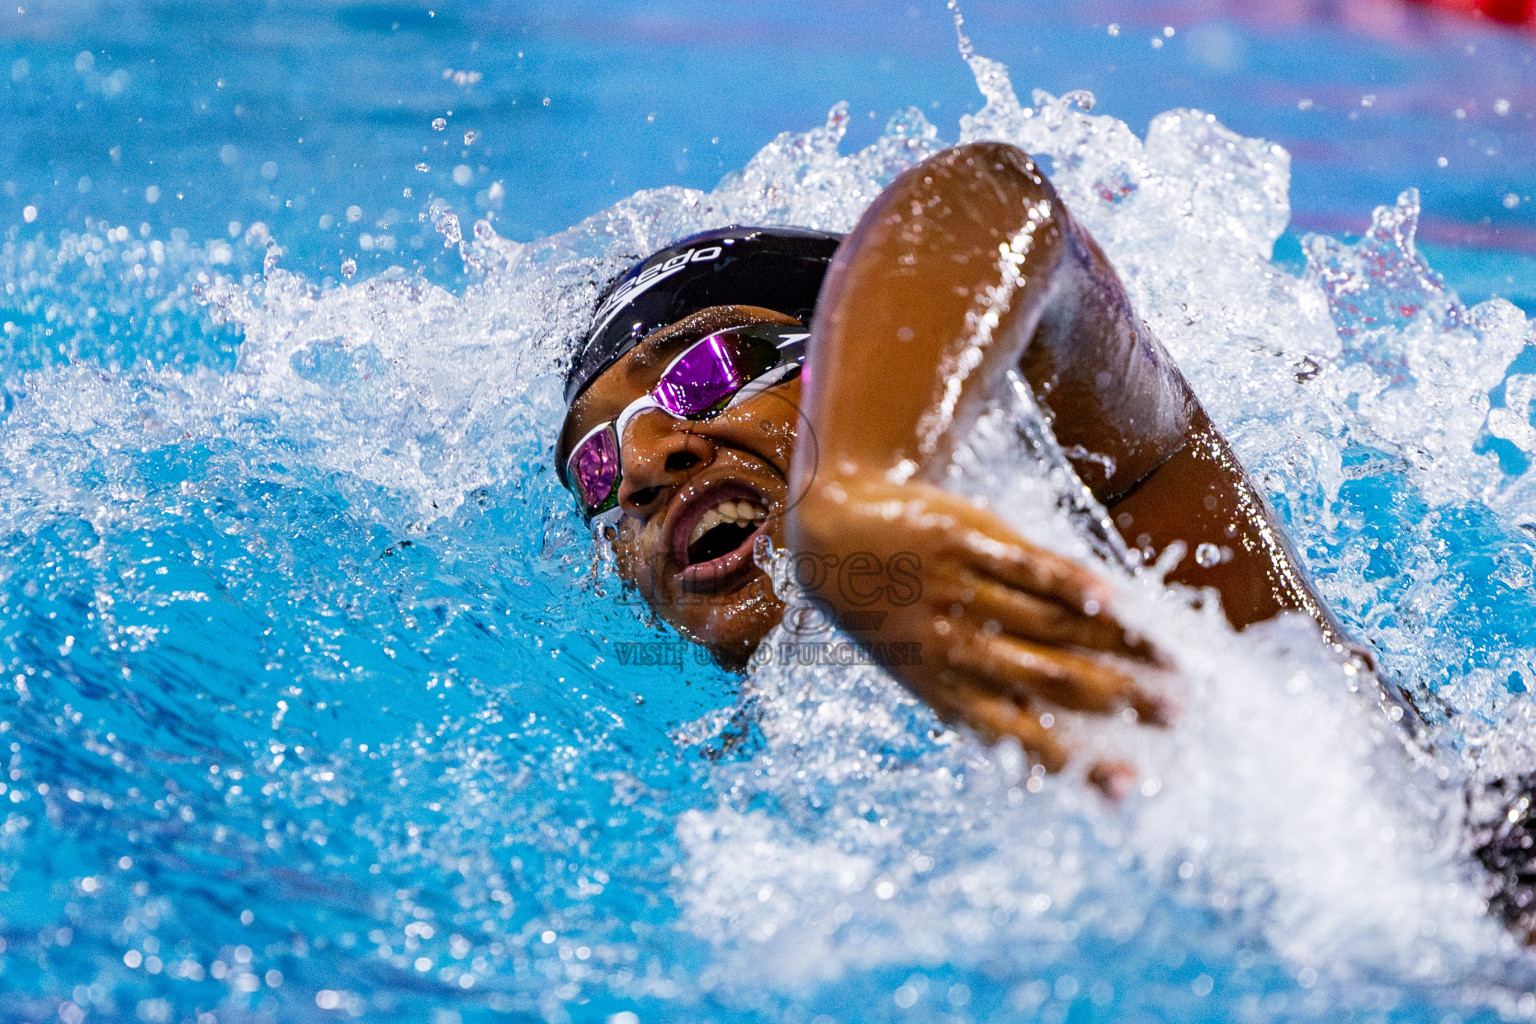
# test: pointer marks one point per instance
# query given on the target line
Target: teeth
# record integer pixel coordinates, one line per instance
(725, 512)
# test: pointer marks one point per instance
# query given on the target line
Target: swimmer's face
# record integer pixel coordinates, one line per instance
(695, 494)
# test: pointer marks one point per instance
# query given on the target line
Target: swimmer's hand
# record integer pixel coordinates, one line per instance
(1007, 631)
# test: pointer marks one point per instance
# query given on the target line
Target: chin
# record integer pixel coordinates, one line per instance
(730, 627)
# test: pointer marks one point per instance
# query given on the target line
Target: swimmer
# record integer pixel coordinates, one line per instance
(707, 362)
(809, 387)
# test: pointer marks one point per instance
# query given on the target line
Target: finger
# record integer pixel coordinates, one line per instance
(1072, 681)
(1032, 618)
(1019, 564)
(993, 716)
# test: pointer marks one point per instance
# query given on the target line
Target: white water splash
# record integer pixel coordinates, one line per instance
(1284, 807)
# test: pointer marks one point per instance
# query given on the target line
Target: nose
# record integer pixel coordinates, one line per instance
(658, 452)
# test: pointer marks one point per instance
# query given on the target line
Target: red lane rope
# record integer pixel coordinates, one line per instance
(1507, 12)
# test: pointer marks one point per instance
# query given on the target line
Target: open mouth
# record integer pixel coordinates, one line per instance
(714, 537)
(723, 529)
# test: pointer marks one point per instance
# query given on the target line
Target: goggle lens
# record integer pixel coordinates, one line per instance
(594, 470)
(707, 375)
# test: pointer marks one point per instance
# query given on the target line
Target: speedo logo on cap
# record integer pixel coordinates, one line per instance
(631, 290)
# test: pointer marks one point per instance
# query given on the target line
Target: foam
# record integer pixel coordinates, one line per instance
(1284, 805)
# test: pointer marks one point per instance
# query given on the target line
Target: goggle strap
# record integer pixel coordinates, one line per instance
(758, 385)
(605, 519)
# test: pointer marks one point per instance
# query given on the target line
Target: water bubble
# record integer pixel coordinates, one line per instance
(1114, 29)
(1511, 200)
(20, 69)
(29, 214)
(348, 267)
(228, 154)
(470, 137)
(439, 123)
(85, 61)
(423, 168)
(354, 214)
(269, 170)
(462, 174)
(152, 194)
(1207, 555)
(1501, 107)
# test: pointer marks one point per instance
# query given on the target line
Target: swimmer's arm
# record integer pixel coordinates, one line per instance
(931, 300)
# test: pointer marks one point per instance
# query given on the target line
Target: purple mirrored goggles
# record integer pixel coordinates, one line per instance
(710, 376)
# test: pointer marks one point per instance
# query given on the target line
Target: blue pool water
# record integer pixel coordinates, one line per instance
(312, 701)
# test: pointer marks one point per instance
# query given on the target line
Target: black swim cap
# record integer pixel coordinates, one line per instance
(776, 268)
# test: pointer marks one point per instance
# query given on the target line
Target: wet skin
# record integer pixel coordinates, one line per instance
(965, 267)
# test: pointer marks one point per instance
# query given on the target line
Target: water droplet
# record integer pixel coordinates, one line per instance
(423, 168)
(1207, 555)
(439, 123)
(470, 137)
(348, 267)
